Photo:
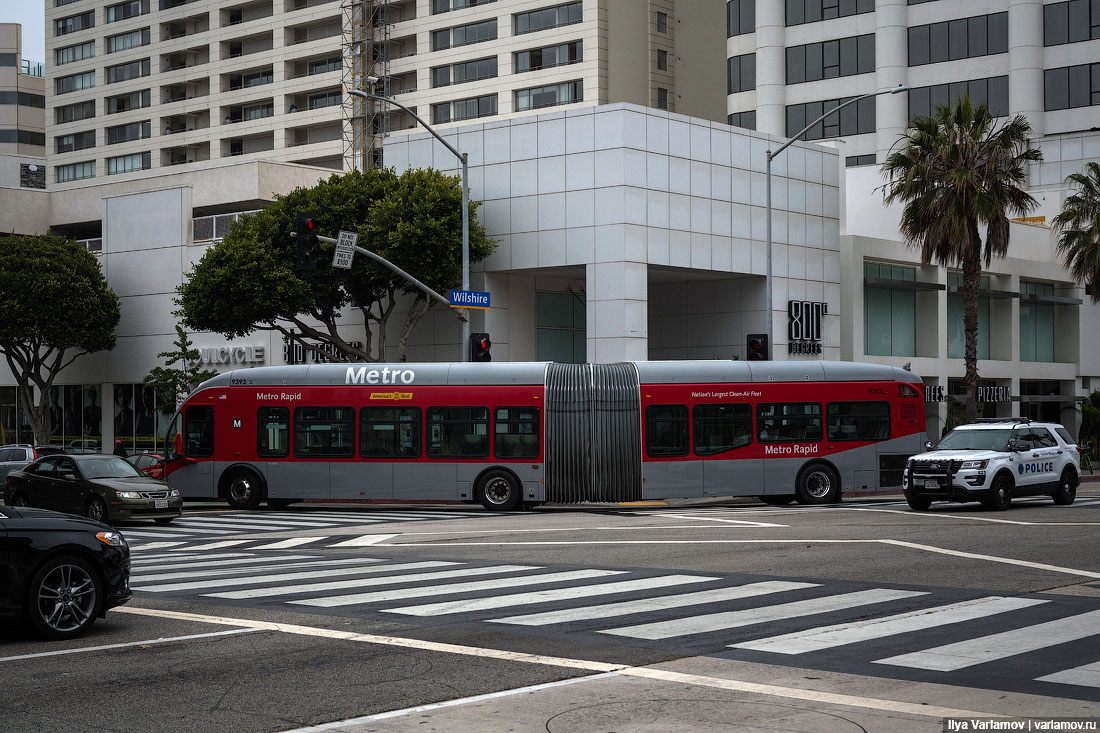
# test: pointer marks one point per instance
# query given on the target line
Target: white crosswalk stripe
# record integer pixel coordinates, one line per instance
(208, 583)
(288, 543)
(990, 648)
(218, 561)
(546, 596)
(179, 572)
(830, 636)
(645, 605)
(733, 619)
(1086, 676)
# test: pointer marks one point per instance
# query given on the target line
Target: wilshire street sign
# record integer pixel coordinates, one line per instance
(469, 299)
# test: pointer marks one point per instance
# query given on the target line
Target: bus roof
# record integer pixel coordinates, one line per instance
(501, 373)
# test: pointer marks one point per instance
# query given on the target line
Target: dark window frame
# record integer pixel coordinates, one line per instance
(430, 421)
(201, 446)
(831, 59)
(704, 426)
(263, 421)
(519, 422)
(299, 439)
(808, 420)
(397, 419)
(863, 425)
(678, 426)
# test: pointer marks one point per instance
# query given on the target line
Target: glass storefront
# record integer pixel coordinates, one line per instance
(956, 331)
(889, 315)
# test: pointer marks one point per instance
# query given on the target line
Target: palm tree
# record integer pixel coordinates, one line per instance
(959, 171)
(1079, 227)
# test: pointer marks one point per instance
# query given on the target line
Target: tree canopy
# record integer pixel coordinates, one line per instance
(957, 171)
(173, 384)
(54, 307)
(248, 281)
(1078, 225)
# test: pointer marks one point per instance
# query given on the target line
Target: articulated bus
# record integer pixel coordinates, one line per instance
(521, 434)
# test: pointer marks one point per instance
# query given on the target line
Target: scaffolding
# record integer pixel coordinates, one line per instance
(366, 36)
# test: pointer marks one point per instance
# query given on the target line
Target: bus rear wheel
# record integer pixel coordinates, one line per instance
(499, 491)
(242, 489)
(818, 484)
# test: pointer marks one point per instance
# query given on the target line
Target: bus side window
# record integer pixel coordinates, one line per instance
(458, 432)
(273, 432)
(324, 431)
(199, 431)
(788, 422)
(387, 432)
(857, 421)
(666, 430)
(720, 428)
(516, 432)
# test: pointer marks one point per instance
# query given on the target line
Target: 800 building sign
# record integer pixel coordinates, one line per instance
(804, 326)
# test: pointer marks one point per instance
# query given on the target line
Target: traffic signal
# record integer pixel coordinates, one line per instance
(479, 347)
(308, 248)
(756, 347)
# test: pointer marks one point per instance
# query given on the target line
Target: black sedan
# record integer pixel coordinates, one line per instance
(59, 573)
(101, 487)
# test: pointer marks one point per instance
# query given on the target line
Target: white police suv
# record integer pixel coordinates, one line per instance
(992, 461)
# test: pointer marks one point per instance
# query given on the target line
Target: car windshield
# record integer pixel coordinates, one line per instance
(975, 440)
(109, 467)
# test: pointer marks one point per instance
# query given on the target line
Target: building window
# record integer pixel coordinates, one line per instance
(69, 54)
(956, 331)
(74, 141)
(812, 11)
(316, 101)
(129, 163)
(662, 59)
(963, 38)
(746, 120)
(853, 161)
(74, 82)
(662, 98)
(464, 35)
(445, 6)
(126, 102)
(560, 327)
(74, 172)
(122, 11)
(1071, 22)
(465, 109)
(993, 91)
(74, 23)
(23, 99)
(1036, 323)
(549, 56)
(463, 72)
(323, 66)
(74, 112)
(889, 315)
(741, 73)
(540, 20)
(124, 41)
(23, 137)
(1071, 86)
(125, 72)
(662, 22)
(855, 119)
(128, 133)
(830, 59)
(549, 95)
(740, 17)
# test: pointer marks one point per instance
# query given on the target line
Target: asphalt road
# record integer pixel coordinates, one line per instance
(698, 616)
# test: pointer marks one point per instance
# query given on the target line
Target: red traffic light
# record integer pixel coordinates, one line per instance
(479, 347)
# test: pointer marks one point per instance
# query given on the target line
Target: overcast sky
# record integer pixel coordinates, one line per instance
(31, 14)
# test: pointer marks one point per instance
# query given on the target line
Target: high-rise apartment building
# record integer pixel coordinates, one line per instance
(23, 201)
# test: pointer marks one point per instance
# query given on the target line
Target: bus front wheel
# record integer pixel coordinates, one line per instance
(818, 484)
(242, 489)
(499, 491)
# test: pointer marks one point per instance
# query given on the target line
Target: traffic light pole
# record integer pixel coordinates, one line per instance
(462, 314)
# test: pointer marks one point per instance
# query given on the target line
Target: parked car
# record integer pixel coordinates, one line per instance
(151, 464)
(994, 460)
(102, 487)
(82, 446)
(60, 573)
(13, 457)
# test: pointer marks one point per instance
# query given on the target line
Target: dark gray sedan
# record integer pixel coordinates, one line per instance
(103, 487)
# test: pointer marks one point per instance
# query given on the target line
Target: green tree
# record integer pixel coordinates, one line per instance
(173, 384)
(1078, 225)
(55, 306)
(248, 281)
(1090, 420)
(956, 173)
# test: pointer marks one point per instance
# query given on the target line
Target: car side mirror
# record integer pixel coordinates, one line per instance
(179, 445)
(928, 445)
(68, 477)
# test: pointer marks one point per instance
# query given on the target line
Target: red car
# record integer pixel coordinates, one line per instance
(151, 464)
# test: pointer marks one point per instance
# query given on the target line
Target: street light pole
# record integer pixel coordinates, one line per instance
(463, 158)
(768, 183)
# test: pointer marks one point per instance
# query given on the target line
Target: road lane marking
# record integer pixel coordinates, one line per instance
(724, 620)
(827, 637)
(364, 540)
(288, 543)
(649, 673)
(1086, 676)
(911, 513)
(645, 605)
(992, 558)
(548, 596)
(130, 644)
(719, 519)
(951, 657)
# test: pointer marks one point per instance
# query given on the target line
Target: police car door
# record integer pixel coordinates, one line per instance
(1029, 468)
(1052, 456)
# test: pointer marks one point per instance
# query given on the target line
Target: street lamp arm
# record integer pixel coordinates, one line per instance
(394, 102)
(834, 110)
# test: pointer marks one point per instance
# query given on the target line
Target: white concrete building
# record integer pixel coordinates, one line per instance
(22, 137)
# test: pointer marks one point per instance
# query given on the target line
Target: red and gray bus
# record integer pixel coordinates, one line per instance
(520, 434)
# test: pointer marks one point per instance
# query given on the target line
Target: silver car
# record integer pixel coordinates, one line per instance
(16, 455)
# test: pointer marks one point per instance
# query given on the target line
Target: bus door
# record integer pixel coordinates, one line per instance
(386, 434)
(286, 478)
(195, 477)
(721, 437)
(453, 435)
(673, 473)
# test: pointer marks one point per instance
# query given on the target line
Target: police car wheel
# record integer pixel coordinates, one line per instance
(919, 505)
(1067, 489)
(1000, 494)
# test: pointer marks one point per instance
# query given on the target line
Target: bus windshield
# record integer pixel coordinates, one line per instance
(975, 440)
